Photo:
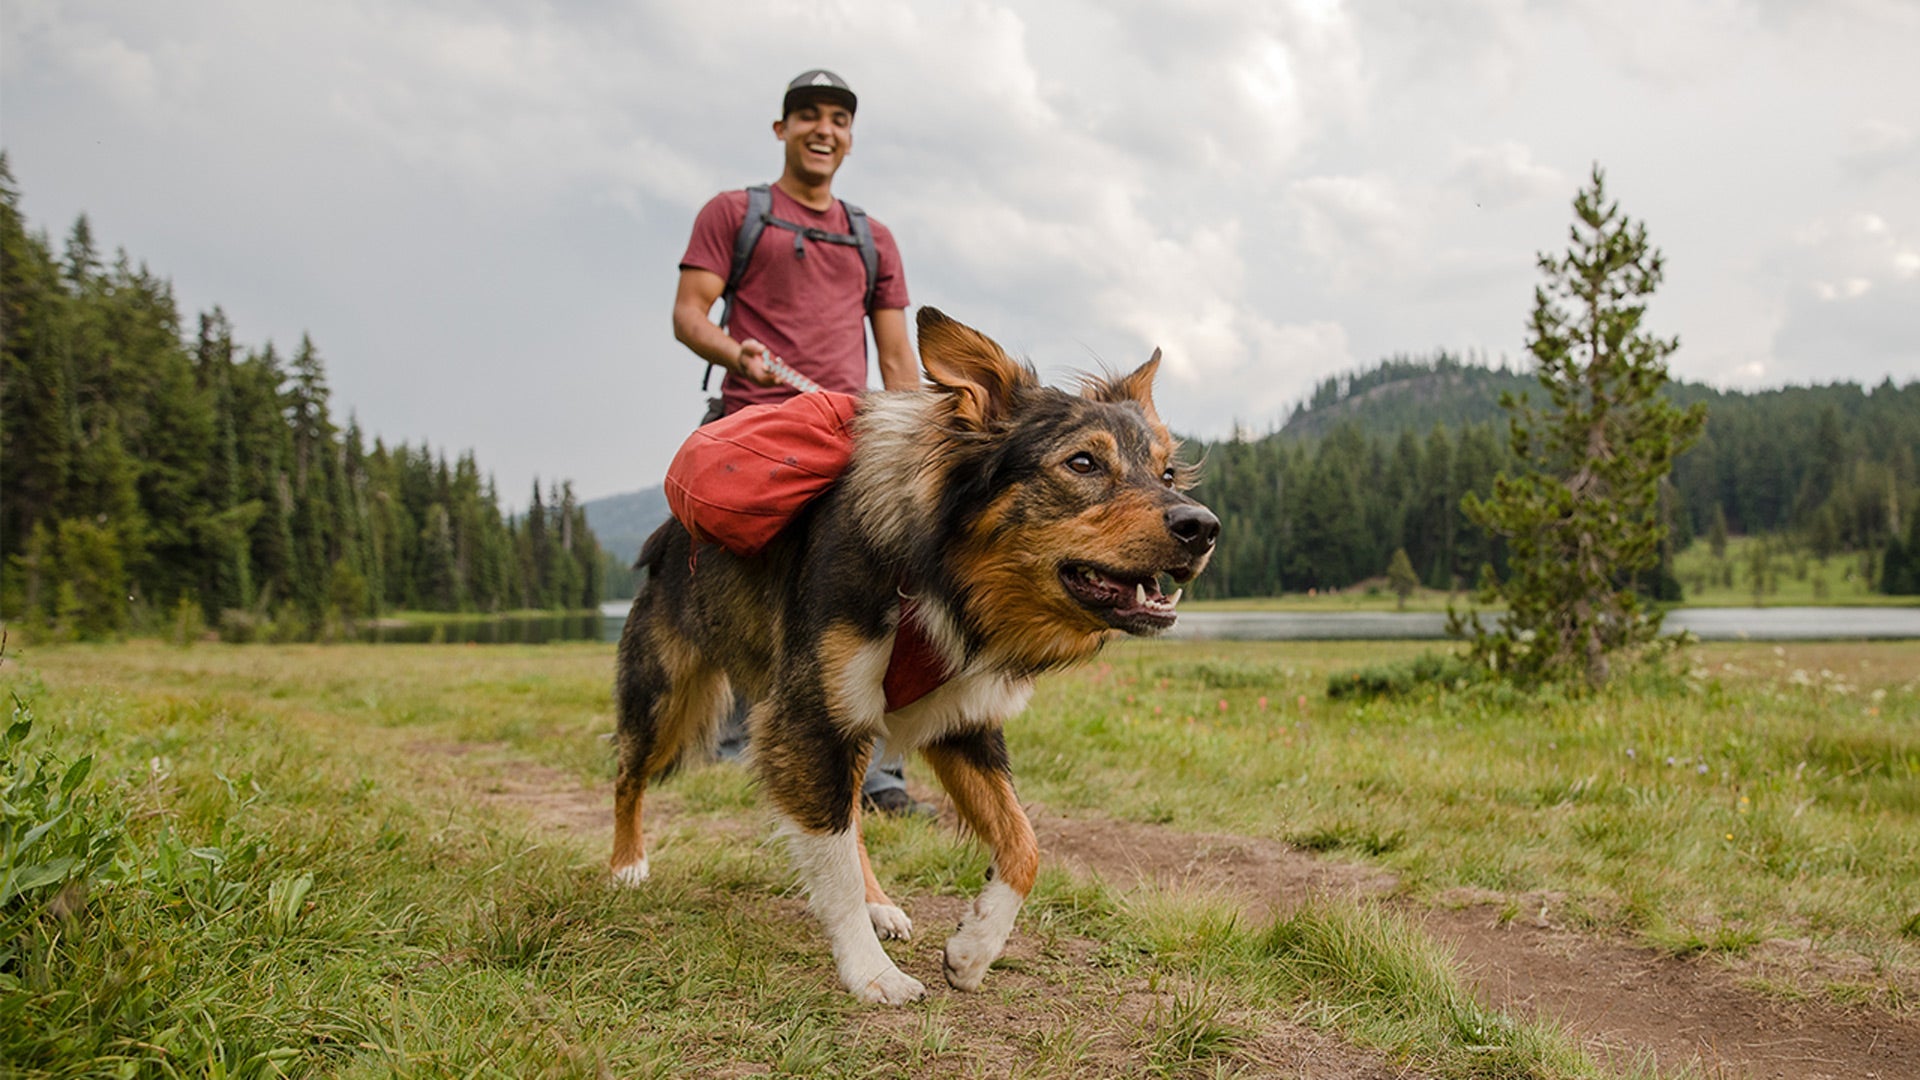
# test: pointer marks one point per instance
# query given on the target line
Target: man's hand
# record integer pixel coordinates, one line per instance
(697, 291)
(751, 364)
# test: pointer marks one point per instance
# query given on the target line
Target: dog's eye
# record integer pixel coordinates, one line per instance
(1082, 463)
(1167, 477)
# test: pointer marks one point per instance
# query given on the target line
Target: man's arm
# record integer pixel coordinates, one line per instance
(697, 291)
(899, 367)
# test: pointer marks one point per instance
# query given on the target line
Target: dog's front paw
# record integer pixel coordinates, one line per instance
(890, 987)
(981, 937)
(890, 922)
(967, 959)
(632, 875)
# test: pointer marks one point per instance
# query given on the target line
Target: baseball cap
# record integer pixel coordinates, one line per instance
(818, 84)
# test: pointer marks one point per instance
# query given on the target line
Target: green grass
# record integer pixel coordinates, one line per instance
(1763, 792)
(1788, 576)
(314, 879)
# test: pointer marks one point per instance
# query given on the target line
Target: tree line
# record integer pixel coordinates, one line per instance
(1299, 515)
(1326, 501)
(148, 476)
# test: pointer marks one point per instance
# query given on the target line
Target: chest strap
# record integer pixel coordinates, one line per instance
(916, 668)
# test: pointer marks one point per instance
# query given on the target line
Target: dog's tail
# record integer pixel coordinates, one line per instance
(653, 552)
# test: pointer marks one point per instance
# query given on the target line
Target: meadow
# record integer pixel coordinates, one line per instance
(359, 860)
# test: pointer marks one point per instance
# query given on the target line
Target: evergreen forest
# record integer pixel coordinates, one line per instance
(152, 478)
(1378, 461)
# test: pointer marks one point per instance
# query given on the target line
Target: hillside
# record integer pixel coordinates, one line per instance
(1399, 396)
(622, 522)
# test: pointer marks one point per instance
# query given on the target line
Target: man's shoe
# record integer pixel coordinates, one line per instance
(895, 802)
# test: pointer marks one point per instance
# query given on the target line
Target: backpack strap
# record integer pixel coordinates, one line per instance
(869, 254)
(759, 215)
(759, 211)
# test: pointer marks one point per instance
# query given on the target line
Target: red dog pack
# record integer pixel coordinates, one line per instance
(737, 481)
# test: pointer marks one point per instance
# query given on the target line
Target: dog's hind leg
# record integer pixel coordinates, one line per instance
(669, 700)
(889, 921)
(974, 768)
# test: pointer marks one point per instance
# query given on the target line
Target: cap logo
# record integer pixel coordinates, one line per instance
(822, 79)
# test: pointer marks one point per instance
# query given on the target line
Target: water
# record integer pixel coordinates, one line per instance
(1709, 624)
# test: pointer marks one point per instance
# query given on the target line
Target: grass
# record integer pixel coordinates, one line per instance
(324, 870)
(1767, 791)
(1772, 572)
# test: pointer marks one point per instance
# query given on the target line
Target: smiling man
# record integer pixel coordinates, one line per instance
(804, 293)
(803, 274)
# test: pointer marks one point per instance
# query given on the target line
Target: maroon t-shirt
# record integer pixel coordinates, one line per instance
(807, 310)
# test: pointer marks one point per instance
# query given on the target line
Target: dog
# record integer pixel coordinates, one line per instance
(992, 528)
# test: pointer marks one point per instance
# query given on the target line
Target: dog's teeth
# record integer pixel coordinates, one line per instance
(1175, 598)
(1140, 594)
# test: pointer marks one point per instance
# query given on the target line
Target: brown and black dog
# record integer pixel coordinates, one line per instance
(1017, 527)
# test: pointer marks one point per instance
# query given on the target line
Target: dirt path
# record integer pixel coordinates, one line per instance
(1622, 1000)
(1625, 1002)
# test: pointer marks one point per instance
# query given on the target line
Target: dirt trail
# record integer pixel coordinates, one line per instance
(1625, 1002)
(1622, 1000)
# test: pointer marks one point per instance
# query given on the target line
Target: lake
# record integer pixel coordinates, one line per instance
(1709, 624)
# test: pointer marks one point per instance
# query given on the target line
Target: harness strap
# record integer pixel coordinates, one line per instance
(916, 667)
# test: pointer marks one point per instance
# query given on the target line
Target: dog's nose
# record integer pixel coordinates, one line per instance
(1194, 526)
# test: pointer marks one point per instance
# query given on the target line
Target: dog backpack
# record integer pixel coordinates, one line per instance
(739, 480)
(759, 216)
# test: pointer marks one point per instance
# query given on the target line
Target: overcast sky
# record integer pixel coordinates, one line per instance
(476, 209)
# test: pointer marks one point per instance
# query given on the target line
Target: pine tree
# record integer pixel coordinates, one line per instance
(1401, 578)
(38, 418)
(1581, 517)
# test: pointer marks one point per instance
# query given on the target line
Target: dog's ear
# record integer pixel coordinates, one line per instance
(1137, 387)
(966, 364)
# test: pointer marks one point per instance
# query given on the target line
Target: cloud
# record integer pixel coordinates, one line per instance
(1361, 228)
(494, 195)
(1504, 174)
(1875, 146)
(1853, 284)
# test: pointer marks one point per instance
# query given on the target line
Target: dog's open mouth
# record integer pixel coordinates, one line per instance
(1129, 601)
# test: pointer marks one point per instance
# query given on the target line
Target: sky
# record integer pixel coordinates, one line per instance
(476, 209)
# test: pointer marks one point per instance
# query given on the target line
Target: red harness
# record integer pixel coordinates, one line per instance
(916, 668)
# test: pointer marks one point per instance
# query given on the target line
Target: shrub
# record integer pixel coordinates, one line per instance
(239, 626)
(1441, 671)
(55, 838)
(189, 622)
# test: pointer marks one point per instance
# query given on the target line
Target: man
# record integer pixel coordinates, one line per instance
(802, 300)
